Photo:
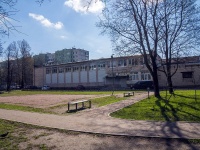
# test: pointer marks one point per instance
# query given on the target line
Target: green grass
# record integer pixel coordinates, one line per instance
(10, 142)
(102, 101)
(63, 92)
(180, 107)
(22, 108)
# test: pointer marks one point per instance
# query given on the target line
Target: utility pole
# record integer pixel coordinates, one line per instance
(112, 74)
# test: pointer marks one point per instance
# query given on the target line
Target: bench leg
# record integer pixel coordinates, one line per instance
(68, 107)
(89, 104)
(76, 106)
(83, 104)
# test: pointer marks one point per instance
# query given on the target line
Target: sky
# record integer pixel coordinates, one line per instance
(58, 24)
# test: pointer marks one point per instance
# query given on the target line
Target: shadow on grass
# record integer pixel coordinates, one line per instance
(171, 110)
(170, 114)
(192, 97)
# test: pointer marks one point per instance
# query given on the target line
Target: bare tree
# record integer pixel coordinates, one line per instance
(180, 30)
(7, 10)
(24, 49)
(133, 27)
(9, 54)
(152, 28)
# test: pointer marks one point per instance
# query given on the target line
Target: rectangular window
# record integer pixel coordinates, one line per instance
(124, 62)
(68, 69)
(54, 70)
(146, 76)
(135, 76)
(48, 70)
(141, 61)
(83, 68)
(75, 69)
(188, 74)
(129, 61)
(61, 70)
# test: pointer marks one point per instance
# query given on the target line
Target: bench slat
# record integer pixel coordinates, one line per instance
(76, 102)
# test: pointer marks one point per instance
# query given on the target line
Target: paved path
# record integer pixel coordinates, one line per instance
(97, 120)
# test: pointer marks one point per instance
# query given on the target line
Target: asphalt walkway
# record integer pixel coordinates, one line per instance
(97, 120)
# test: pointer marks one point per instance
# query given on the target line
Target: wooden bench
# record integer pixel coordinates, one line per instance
(126, 94)
(77, 102)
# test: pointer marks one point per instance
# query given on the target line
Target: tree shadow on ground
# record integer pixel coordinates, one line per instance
(170, 113)
(141, 143)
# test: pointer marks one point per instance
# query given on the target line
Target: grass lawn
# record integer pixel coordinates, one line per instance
(63, 92)
(181, 107)
(102, 101)
(22, 108)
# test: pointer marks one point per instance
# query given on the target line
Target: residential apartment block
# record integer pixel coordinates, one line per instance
(71, 55)
(61, 56)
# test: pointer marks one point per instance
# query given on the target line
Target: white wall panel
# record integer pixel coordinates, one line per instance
(61, 78)
(76, 77)
(92, 76)
(101, 75)
(54, 78)
(48, 78)
(68, 77)
(83, 76)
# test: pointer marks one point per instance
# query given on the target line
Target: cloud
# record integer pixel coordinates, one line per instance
(63, 37)
(81, 6)
(45, 22)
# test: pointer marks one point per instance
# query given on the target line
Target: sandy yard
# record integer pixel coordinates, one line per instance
(43, 101)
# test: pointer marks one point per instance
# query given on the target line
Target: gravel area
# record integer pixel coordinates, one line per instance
(56, 140)
(43, 101)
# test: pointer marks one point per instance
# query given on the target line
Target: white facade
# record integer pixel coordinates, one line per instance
(124, 70)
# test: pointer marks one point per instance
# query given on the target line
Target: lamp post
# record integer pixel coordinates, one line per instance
(112, 74)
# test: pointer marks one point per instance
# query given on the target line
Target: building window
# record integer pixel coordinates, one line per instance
(188, 74)
(48, 70)
(122, 63)
(145, 76)
(141, 61)
(61, 70)
(92, 67)
(54, 70)
(134, 61)
(135, 76)
(68, 69)
(83, 68)
(129, 61)
(75, 69)
(101, 66)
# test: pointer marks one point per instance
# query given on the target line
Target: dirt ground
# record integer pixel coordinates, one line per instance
(52, 139)
(36, 138)
(43, 101)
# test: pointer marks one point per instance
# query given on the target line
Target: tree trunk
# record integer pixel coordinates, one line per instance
(8, 76)
(155, 81)
(169, 79)
(170, 85)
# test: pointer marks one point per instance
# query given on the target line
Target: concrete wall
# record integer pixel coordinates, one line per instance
(178, 79)
(38, 77)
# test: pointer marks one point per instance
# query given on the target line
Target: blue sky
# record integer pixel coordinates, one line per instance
(60, 24)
